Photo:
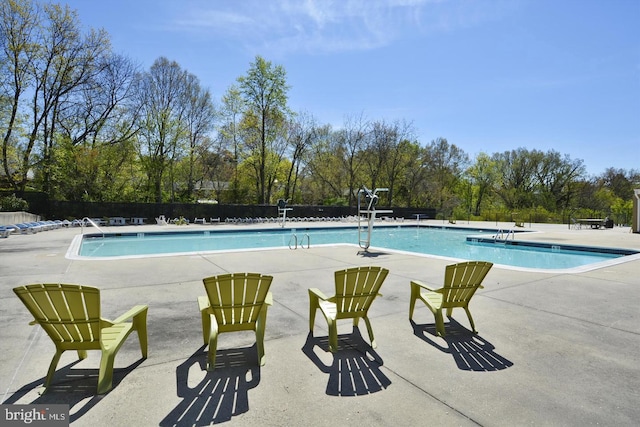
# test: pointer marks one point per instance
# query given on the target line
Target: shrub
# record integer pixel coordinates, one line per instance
(13, 204)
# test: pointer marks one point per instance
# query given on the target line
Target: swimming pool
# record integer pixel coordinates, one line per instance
(475, 244)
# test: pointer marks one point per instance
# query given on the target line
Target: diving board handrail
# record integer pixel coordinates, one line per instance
(90, 221)
(371, 199)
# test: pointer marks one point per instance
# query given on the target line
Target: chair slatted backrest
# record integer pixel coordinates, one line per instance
(461, 282)
(68, 313)
(237, 298)
(356, 288)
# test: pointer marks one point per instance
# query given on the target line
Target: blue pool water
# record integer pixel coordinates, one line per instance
(439, 241)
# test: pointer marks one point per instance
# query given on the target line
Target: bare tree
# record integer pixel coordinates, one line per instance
(199, 119)
(302, 132)
(59, 63)
(163, 109)
(386, 155)
(19, 22)
(350, 143)
(229, 131)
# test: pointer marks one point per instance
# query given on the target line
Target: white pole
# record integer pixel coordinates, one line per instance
(635, 227)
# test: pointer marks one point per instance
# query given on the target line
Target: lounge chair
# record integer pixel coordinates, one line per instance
(70, 315)
(356, 288)
(234, 302)
(26, 228)
(460, 284)
(161, 220)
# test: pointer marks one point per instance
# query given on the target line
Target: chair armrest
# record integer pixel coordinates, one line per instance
(318, 293)
(269, 298)
(427, 287)
(132, 313)
(203, 303)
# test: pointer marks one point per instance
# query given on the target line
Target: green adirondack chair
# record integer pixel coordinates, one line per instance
(356, 288)
(234, 302)
(70, 315)
(460, 284)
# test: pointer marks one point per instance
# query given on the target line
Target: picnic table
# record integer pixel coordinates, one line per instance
(592, 222)
(117, 220)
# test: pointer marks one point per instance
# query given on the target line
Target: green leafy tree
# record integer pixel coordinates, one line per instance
(484, 179)
(445, 164)
(264, 91)
(554, 175)
(516, 170)
(326, 178)
(229, 134)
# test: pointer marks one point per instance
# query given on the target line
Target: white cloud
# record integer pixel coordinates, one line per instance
(322, 26)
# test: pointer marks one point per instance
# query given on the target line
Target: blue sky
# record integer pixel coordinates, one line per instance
(487, 75)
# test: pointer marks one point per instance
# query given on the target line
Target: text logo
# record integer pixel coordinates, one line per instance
(34, 415)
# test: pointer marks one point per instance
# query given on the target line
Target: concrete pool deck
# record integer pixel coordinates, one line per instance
(552, 348)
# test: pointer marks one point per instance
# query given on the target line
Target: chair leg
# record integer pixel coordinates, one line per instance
(439, 323)
(105, 376)
(473, 326)
(203, 303)
(260, 328)
(206, 327)
(415, 293)
(313, 307)
(213, 343)
(52, 367)
(82, 354)
(333, 335)
(370, 330)
(140, 326)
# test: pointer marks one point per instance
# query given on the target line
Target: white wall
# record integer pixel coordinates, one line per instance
(7, 218)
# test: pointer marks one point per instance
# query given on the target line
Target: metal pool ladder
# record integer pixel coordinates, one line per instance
(293, 241)
(503, 235)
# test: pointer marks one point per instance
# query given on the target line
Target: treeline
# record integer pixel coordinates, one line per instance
(81, 122)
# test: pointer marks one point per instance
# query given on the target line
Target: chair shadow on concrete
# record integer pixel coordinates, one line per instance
(355, 368)
(470, 351)
(210, 397)
(74, 387)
